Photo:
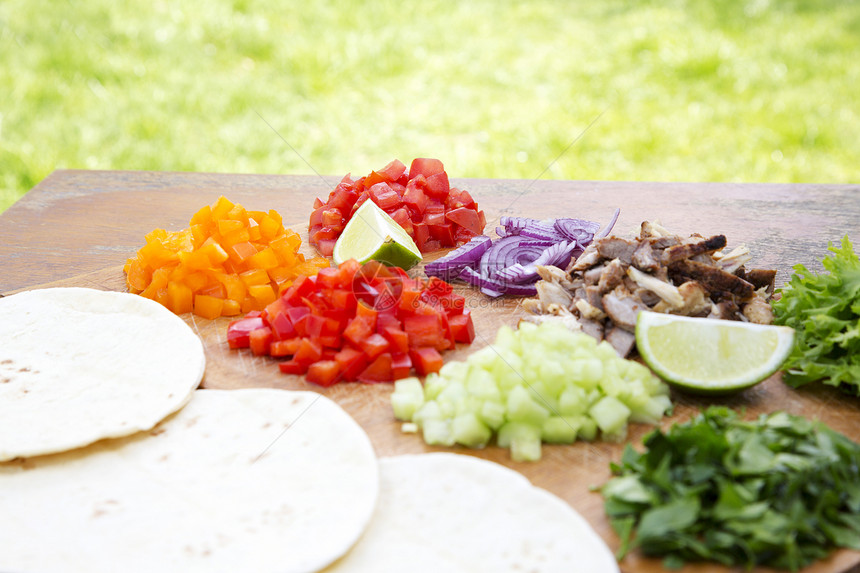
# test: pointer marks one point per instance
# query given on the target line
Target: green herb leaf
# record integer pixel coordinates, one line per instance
(779, 491)
(824, 311)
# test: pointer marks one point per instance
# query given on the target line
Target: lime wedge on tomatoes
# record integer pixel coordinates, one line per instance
(709, 356)
(372, 234)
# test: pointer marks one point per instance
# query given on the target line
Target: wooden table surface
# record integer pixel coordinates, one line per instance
(78, 227)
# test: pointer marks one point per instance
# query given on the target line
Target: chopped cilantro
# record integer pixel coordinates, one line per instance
(781, 491)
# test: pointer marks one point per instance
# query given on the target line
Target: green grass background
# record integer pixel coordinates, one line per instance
(755, 90)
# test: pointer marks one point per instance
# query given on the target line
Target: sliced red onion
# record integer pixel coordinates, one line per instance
(577, 229)
(509, 264)
(542, 231)
(493, 287)
(606, 230)
(514, 225)
(511, 250)
(449, 266)
(516, 274)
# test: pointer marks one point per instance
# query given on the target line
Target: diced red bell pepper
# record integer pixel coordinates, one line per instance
(426, 360)
(260, 340)
(462, 327)
(401, 366)
(352, 362)
(332, 277)
(423, 330)
(309, 351)
(397, 338)
(292, 367)
(358, 329)
(282, 328)
(374, 345)
(286, 347)
(238, 332)
(324, 372)
(378, 371)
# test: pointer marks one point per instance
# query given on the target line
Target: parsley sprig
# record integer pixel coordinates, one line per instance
(780, 491)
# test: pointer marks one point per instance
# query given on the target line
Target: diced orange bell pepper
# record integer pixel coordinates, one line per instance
(228, 261)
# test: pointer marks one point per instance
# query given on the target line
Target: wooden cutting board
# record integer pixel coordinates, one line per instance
(87, 222)
(569, 471)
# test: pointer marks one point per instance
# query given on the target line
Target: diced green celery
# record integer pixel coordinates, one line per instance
(573, 401)
(652, 410)
(407, 397)
(469, 431)
(438, 432)
(610, 414)
(523, 408)
(560, 429)
(587, 428)
(493, 414)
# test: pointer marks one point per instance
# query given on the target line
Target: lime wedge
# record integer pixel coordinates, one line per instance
(709, 356)
(372, 234)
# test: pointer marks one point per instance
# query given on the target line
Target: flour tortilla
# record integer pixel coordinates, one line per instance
(78, 365)
(456, 513)
(239, 480)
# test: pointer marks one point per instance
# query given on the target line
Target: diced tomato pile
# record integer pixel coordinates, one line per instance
(369, 323)
(227, 262)
(421, 200)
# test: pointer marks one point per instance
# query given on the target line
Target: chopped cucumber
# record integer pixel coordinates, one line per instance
(408, 397)
(469, 431)
(538, 383)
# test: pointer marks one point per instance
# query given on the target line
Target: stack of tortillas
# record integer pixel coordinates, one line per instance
(243, 480)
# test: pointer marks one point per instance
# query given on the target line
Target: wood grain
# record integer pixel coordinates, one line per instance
(77, 228)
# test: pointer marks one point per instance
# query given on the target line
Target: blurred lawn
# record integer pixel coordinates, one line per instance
(752, 90)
